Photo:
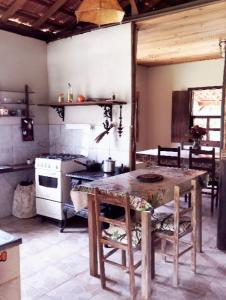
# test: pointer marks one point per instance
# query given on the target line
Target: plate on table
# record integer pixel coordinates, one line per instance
(150, 177)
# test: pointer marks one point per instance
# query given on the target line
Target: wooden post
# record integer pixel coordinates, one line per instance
(147, 256)
(133, 105)
(198, 194)
(93, 263)
(221, 232)
(27, 100)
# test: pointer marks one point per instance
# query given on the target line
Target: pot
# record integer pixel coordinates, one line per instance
(108, 165)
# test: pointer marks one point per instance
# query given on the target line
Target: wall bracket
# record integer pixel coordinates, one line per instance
(59, 110)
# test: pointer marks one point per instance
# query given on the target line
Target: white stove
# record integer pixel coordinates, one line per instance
(52, 186)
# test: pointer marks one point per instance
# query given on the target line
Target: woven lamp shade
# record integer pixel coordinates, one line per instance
(100, 12)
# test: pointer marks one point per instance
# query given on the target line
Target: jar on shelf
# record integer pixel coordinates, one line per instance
(61, 98)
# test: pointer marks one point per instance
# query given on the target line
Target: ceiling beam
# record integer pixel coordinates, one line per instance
(12, 10)
(31, 16)
(134, 9)
(25, 30)
(63, 10)
(49, 13)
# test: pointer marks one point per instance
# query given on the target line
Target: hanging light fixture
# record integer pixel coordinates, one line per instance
(100, 12)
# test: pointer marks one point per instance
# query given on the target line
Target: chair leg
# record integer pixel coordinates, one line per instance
(217, 196)
(123, 257)
(176, 264)
(186, 198)
(163, 249)
(193, 254)
(102, 267)
(212, 199)
(131, 274)
(189, 200)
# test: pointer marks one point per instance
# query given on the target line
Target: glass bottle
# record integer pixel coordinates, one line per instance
(69, 93)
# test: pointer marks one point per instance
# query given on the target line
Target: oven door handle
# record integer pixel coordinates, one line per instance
(49, 174)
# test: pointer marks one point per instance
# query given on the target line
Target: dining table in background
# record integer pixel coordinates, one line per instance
(144, 197)
(150, 157)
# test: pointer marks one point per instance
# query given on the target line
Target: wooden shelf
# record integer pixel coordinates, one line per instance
(105, 104)
(85, 103)
(14, 103)
(15, 91)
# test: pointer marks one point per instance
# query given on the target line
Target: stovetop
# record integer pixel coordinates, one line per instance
(62, 156)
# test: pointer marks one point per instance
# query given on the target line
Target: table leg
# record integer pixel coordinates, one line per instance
(199, 217)
(147, 256)
(93, 264)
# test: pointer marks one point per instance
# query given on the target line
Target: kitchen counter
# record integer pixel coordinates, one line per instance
(7, 240)
(90, 175)
(15, 168)
(9, 266)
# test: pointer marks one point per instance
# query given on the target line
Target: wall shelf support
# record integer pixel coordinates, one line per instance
(59, 110)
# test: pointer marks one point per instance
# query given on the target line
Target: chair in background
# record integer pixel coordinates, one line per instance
(169, 157)
(121, 235)
(174, 226)
(205, 160)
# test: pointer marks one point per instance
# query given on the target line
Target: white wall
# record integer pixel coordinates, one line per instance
(23, 61)
(96, 64)
(162, 81)
(143, 106)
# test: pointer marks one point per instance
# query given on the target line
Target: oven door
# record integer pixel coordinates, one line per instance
(48, 185)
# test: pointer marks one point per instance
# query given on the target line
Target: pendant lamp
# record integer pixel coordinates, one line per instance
(100, 12)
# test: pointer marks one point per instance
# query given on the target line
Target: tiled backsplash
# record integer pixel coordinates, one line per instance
(54, 139)
(81, 141)
(14, 151)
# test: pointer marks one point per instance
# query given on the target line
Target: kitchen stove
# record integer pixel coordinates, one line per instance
(63, 156)
(52, 185)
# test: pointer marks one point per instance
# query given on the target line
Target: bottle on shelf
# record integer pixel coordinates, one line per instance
(69, 94)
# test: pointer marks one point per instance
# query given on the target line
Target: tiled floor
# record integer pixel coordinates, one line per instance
(54, 266)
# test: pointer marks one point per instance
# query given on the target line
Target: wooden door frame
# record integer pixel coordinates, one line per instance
(134, 35)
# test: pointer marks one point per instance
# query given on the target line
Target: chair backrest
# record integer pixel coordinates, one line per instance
(120, 201)
(181, 211)
(169, 157)
(202, 160)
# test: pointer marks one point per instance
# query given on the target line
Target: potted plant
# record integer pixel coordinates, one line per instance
(196, 134)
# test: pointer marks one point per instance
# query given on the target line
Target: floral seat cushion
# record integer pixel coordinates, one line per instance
(118, 234)
(164, 223)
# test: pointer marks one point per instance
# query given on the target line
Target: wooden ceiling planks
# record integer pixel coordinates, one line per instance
(183, 36)
(49, 13)
(12, 10)
(162, 37)
(57, 17)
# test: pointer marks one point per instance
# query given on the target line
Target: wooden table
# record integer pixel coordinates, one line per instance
(144, 197)
(150, 157)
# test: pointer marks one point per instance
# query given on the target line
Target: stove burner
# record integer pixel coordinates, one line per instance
(63, 156)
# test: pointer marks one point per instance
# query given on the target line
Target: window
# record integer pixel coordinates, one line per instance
(206, 112)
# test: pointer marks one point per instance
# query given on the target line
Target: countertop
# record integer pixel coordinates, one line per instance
(90, 175)
(8, 240)
(15, 168)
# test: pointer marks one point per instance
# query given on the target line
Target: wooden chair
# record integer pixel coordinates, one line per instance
(173, 227)
(121, 235)
(205, 160)
(165, 159)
